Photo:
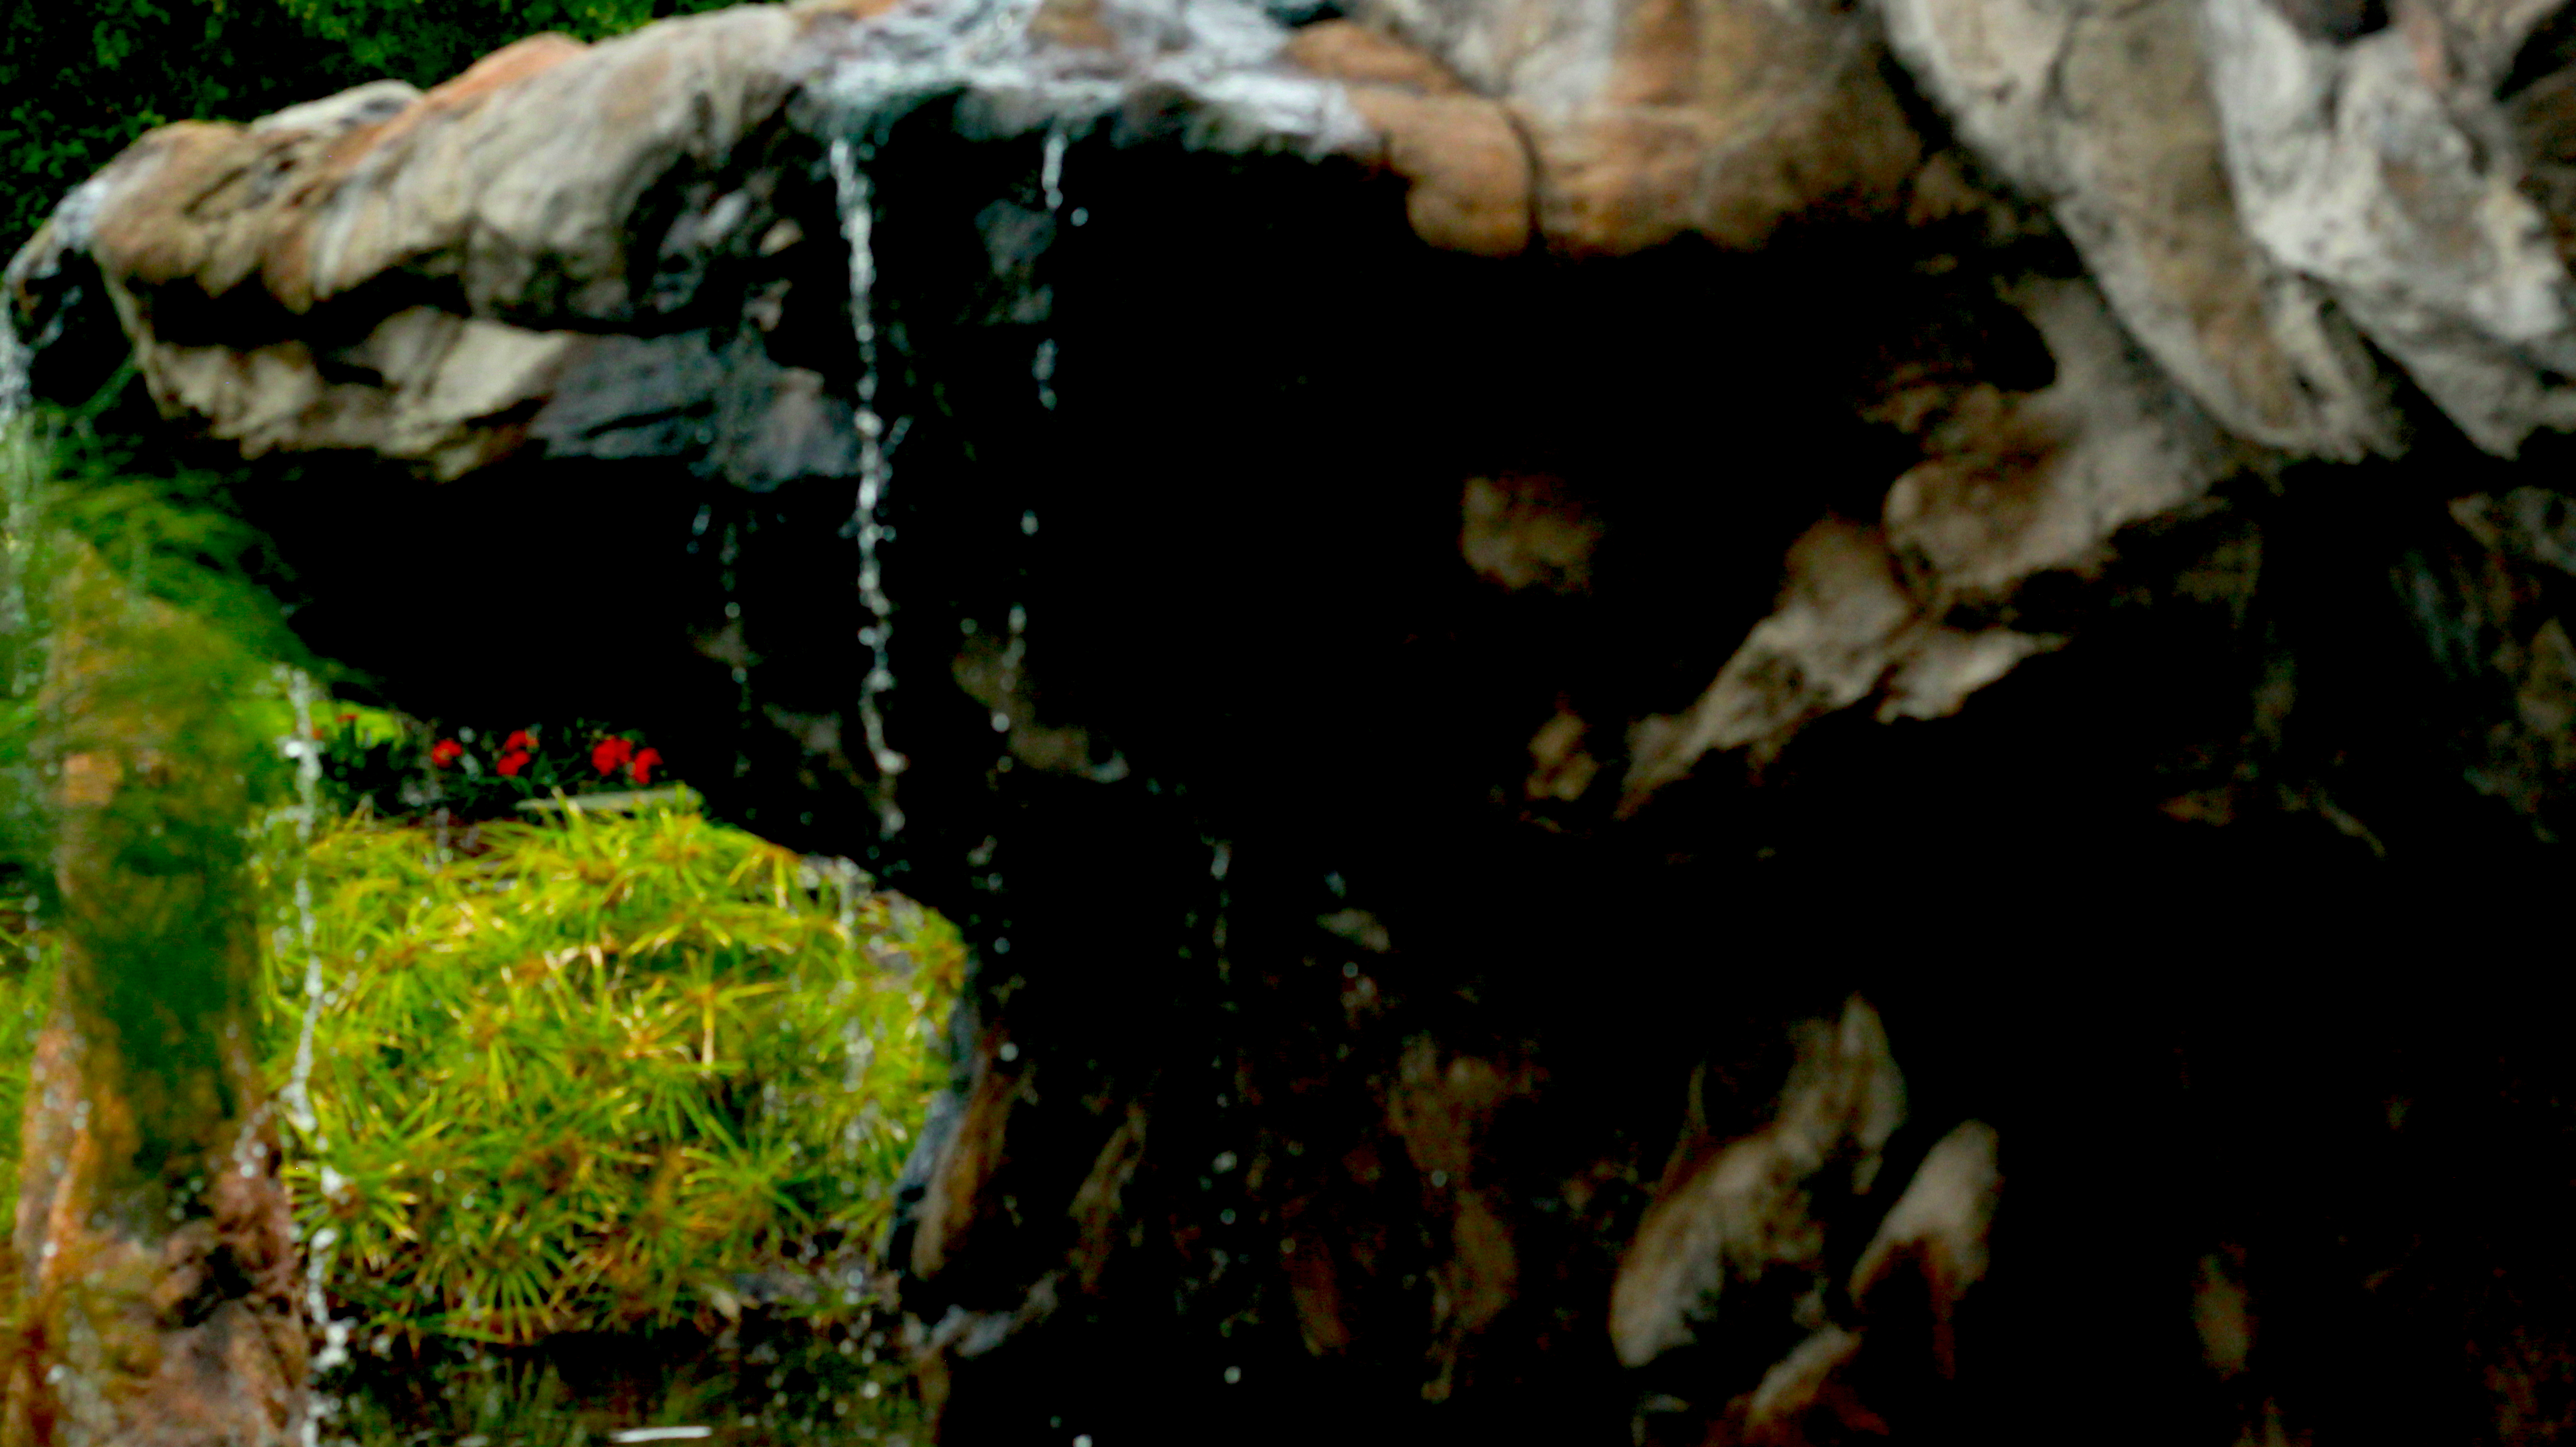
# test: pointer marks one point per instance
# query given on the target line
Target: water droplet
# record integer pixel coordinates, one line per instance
(1233, 1375)
(1051, 169)
(1009, 1052)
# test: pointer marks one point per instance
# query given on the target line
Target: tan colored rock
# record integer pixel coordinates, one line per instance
(1467, 167)
(518, 181)
(1442, 1107)
(1941, 1231)
(1354, 54)
(967, 1161)
(1799, 126)
(2013, 486)
(1842, 622)
(1654, 119)
(1469, 171)
(1731, 1213)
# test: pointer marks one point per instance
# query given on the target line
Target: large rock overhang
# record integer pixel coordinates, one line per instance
(1448, 570)
(1731, 271)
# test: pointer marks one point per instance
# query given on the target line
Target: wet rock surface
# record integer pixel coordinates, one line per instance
(1692, 723)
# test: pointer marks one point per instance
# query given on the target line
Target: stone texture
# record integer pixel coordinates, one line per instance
(1649, 713)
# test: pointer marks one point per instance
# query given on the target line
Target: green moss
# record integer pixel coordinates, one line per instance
(592, 1074)
(28, 961)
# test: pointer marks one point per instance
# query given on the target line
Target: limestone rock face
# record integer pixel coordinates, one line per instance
(1673, 721)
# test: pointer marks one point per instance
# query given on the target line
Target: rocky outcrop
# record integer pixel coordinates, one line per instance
(155, 1294)
(1655, 718)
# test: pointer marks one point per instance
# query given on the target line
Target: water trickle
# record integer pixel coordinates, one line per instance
(1051, 170)
(1015, 655)
(16, 389)
(1051, 182)
(1222, 55)
(20, 457)
(297, 1095)
(858, 226)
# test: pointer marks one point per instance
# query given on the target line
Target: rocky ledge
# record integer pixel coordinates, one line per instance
(1685, 721)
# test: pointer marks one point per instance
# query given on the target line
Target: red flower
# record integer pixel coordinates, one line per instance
(444, 753)
(641, 769)
(511, 764)
(607, 754)
(519, 742)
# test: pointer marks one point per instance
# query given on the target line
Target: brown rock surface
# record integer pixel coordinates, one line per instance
(1659, 722)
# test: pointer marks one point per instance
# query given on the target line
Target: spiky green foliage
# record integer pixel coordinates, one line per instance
(593, 1074)
(580, 1074)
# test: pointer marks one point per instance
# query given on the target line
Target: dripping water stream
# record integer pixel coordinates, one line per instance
(1051, 182)
(912, 55)
(17, 389)
(858, 226)
(296, 1096)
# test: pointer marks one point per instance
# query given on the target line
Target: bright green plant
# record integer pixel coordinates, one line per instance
(28, 960)
(585, 1073)
(598, 1073)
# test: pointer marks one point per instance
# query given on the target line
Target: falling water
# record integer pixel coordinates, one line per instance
(1051, 170)
(912, 54)
(297, 1096)
(18, 479)
(1219, 54)
(858, 226)
(15, 389)
(1051, 181)
(19, 461)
